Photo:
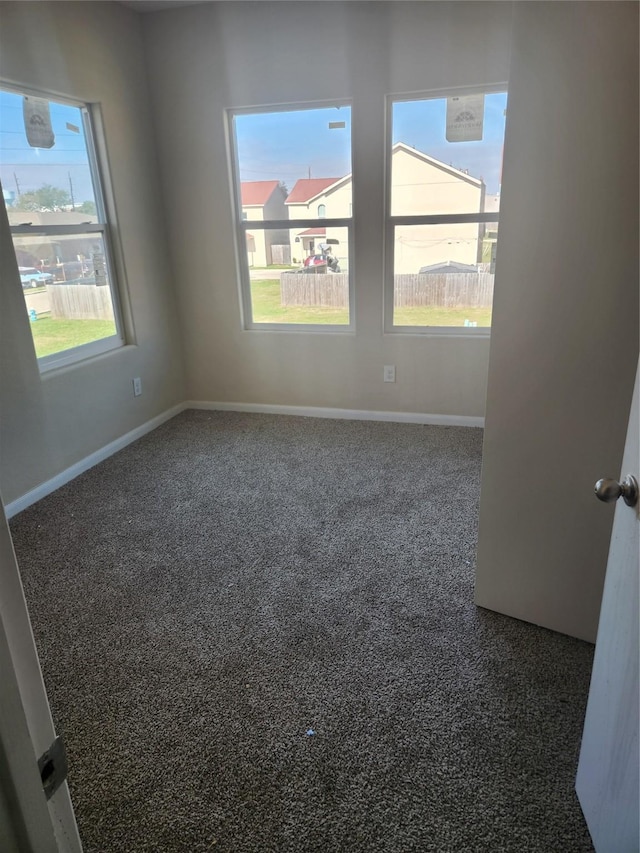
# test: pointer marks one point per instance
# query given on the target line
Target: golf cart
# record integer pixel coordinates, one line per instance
(324, 261)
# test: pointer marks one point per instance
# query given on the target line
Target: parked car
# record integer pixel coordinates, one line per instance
(31, 277)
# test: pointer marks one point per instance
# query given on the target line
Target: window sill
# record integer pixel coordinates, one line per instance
(483, 333)
(54, 364)
(301, 328)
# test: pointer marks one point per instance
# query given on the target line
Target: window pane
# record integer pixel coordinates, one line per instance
(45, 185)
(305, 152)
(66, 288)
(431, 174)
(302, 278)
(296, 165)
(443, 274)
(50, 185)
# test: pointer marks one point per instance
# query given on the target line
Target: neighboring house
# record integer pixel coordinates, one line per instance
(263, 200)
(319, 198)
(45, 251)
(448, 267)
(421, 185)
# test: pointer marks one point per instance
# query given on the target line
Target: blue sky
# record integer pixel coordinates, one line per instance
(281, 146)
(422, 125)
(285, 146)
(34, 167)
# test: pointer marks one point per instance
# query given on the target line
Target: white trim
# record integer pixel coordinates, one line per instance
(103, 453)
(340, 414)
(83, 465)
(74, 355)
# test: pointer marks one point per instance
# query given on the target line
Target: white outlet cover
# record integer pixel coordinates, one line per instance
(389, 373)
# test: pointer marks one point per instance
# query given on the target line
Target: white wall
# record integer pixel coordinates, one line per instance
(565, 340)
(204, 59)
(92, 52)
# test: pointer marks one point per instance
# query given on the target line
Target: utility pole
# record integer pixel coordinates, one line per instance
(15, 178)
(73, 204)
(309, 172)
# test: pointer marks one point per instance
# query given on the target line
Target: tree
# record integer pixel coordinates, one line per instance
(87, 207)
(47, 197)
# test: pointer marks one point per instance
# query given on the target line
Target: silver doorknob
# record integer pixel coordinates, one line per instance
(610, 490)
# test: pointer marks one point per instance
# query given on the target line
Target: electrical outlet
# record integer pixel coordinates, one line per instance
(137, 386)
(389, 373)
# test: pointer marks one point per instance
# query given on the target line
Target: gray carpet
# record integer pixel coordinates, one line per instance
(258, 634)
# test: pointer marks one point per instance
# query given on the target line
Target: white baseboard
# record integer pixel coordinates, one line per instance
(103, 453)
(340, 414)
(83, 465)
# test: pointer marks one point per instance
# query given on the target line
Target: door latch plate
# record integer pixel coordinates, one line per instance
(53, 768)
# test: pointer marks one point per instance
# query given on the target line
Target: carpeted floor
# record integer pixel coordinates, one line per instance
(258, 634)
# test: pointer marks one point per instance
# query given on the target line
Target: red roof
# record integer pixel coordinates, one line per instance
(307, 188)
(256, 192)
(313, 232)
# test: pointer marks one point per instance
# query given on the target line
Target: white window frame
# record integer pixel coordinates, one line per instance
(243, 226)
(422, 219)
(99, 177)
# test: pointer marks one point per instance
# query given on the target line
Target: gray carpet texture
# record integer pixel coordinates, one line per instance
(258, 634)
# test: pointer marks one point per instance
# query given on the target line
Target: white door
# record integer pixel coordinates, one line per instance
(27, 820)
(608, 771)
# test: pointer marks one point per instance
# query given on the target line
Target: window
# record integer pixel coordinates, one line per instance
(54, 203)
(292, 168)
(443, 202)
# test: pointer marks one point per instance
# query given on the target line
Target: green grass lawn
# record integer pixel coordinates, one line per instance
(438, 316)
(51, 335)
(267, 309)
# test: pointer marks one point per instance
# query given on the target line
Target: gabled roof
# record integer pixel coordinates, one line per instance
(313, 232)
(257, 193)
(305, 189)
(402, 146)
(448, 267)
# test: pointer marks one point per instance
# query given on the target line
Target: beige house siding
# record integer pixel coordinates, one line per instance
(259, 248)
(420, 185)
(416, 246)
(423, 186)
(337, 203)
(256, 246)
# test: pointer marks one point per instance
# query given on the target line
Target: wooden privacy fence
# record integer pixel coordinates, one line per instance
(80, 302)
(280, 254)
(328, 289)
(450, 290)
